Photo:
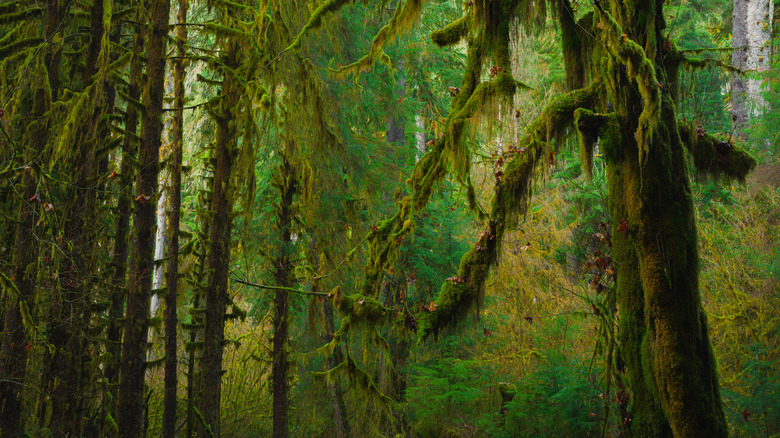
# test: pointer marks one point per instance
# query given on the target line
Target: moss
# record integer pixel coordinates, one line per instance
(717, 158)
(452, 33)
(16, 46)
(360, 308)
(589, 126)
(315, 20)
(641, 70)
(406, 15)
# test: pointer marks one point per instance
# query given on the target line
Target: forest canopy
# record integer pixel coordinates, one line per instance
(419, 218)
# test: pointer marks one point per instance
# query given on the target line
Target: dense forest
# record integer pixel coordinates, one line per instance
(395, 218)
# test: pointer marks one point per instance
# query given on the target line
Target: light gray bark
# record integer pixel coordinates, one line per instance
(751, 31)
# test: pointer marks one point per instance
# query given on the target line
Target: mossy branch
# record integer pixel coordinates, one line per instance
(641, 70)
(462, 293)
(405, 16)
(452, 33)
(315, 20)
(717, 158)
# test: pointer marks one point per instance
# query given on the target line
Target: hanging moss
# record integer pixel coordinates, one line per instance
(349, 369)
(315, 20)
(464, 292)
(640, 69)
(406, 15)
(589, 125)
(718, 158)
(452, 33)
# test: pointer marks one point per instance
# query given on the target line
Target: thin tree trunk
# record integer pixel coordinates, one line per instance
(287, 185)
(131, 383)
(124, 211)
(171, 375)
(335, 392)
(219, 253)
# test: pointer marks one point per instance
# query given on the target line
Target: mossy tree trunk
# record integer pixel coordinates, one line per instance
(118, 264)
(287, 184)
(14, 342)
(174, 197)
(131, 384)
(665, 348)
(217, 297)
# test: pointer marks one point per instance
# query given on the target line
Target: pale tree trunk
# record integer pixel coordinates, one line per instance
(419, 137)
(751, 30)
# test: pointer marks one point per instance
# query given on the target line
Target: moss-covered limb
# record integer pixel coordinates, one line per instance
(359, 308)
(718, 158)
(315, 20)
(589, 125)
(406, 14)
(452, 33)
(18, 45)
(639, 69)
(576, 53)
(463, 292)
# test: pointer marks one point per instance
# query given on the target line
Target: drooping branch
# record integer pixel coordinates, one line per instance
(462, 292)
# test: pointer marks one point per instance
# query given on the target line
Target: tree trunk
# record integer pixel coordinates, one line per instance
(287, 184)
(335, 392)
(14, 342)
(177, 141)
(118, 265)
(219, 253)
(131, 385)
(665, 344)
(750, 33)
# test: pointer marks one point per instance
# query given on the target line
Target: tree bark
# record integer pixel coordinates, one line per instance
(14, 342)
(219, 254)
(287, 184)
(172, 283)
(131, 383)
(750, 34)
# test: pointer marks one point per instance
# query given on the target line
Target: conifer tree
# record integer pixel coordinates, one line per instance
(131, 386)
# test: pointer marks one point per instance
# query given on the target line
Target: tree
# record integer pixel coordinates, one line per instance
(751, 29)
(131, 385)
(630, 88)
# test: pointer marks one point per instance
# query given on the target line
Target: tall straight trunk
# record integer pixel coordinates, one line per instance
(287, 184)
(14, 342)
(751, 31)
(70, 378)
(118, 264)
(666, 349)
(172, 282)
(131, 384)
(219, 251)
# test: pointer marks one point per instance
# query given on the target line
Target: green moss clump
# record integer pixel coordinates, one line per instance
(359, 308)
(452, 33)
(717, 158)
